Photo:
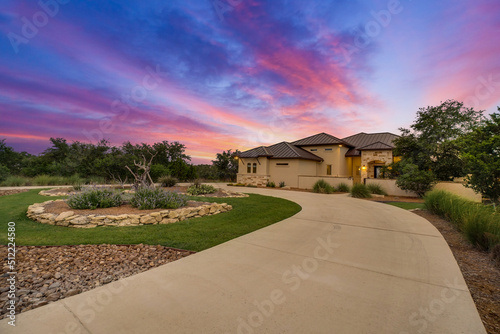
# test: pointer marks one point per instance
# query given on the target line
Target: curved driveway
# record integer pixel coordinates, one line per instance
(341, 265)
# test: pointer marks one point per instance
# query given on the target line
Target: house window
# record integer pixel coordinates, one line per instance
(282, 164)
(254, 168)
(249, 168)
(328, 149)
(328, 169)
(314, 149)
(358, 170)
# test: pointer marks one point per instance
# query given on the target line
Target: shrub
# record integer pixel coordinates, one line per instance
(376, 189)
(4, 172)
(413, 179)
(158, 171)
(201, 189)
(156, 198)
(75, 180)
(16, 181)
(282, 184)
(45, 180)
(93, 198)
(479, 223)
(343, 188)
(271, 184)
(359, 190)
(168, 181)
(322, 187)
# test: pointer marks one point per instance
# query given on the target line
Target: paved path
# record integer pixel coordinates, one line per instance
(341, 265)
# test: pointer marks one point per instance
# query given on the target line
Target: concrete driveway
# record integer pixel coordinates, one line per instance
(341, 265)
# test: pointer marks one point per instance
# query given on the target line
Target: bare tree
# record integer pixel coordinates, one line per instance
(143, 179)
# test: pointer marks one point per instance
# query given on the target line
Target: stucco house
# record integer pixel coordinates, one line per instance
(322, 156)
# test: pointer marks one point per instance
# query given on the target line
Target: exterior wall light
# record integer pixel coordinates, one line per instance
(364, 167)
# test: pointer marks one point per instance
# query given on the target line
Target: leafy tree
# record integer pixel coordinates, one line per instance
(431, 143)
(481, 152)
(414, 179)
(11, 159)
(206, 172)
(226, 165)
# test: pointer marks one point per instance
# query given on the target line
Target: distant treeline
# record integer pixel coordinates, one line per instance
(106, 163)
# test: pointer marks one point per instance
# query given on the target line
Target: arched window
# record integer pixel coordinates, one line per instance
(249, 168)
(254, 168)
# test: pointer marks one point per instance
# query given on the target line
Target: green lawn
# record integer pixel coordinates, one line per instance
(248, 214)
(408, 206)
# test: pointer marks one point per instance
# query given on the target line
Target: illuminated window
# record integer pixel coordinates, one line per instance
(254, 168)
(249, 168)
(358, 170)
(328, 169)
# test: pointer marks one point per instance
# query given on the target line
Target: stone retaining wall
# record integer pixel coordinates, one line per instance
(37, 213)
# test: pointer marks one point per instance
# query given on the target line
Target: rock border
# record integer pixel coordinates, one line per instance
(37, 213)
(228, 194)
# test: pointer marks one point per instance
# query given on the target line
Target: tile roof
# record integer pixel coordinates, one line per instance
(281, 150)
(319, 139)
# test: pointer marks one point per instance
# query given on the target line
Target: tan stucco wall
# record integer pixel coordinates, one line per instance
(356, 169)
(456, 188)
(460, 190)
(262, 165)
(307, 182)
(288, 174)
(335, 157)
(390, 187)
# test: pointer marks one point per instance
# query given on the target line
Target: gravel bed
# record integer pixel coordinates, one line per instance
(49, 273)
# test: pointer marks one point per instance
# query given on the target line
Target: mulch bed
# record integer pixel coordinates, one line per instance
(49, 273)
(480, 272)
(61, 206)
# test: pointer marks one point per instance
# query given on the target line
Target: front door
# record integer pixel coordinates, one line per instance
(378, 172)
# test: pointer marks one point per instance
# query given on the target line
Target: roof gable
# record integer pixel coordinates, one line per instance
(319, 139)
(370, 141)
(281, 150)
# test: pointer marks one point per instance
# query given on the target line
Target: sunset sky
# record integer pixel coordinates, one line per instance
(233, 74)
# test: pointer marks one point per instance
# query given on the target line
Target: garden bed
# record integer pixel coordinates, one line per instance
(60, 214)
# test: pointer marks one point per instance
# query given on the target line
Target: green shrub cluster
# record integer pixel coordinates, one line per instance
(343, 188)
(376, 189)
(271, 184)
(201, 189)
(93, 198)
(168, 181)
(359, 190)
(322, 187)
(479, 223)
(282, 184)
(157, 198)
